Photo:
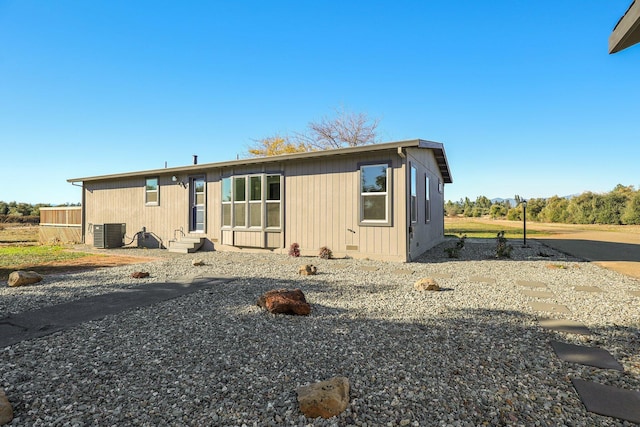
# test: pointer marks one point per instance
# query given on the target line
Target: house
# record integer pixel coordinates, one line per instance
(381, 201)
(627, 31)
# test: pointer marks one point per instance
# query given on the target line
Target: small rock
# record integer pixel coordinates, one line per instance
(6, 411)
(197, 262)
(324, 399)
(308, 270)
(285, 301)
(140, 274)
(21, 278)
(426, 284)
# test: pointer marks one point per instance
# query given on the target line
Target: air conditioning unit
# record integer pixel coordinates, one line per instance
(109, 235)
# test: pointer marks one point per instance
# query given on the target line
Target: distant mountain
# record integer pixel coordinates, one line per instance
(512, 202)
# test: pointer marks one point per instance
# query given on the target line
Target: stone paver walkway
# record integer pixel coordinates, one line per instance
(597, 398)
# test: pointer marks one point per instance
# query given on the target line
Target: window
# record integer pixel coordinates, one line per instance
(151, 192)
(414, 194)
(374, 194)
(273, 201)
(255, 201)
(226, 202)
(251, 201)
(427, 204)
(239, 202)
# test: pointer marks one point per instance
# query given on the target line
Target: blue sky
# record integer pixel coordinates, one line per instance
(524, 95)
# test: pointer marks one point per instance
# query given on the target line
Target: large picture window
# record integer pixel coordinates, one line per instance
(251, 201)
(374, 194)
(151, 192)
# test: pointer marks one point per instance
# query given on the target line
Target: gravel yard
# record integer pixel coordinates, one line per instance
(471, 354)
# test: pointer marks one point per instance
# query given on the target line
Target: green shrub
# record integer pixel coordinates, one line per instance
(503, 250)
(454, 252)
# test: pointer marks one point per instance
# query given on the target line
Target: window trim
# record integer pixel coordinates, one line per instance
(147, 191)
(387, 222)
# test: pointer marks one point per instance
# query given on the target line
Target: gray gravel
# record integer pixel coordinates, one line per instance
(472, 354)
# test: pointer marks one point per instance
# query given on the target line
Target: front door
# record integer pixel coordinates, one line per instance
(198, 204)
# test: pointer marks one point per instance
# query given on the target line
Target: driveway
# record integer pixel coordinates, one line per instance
(610, 249)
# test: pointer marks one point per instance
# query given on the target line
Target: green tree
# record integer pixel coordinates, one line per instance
(555, 210)
(610, 208)
(498, 210)
(631, 213)
(483, 204)
(581, 209)
(534, 207)
(452, 208)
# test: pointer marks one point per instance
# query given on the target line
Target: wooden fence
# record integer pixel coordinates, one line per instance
(61, 224)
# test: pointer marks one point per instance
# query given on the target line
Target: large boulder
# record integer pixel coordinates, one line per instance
(324, 399)
(6, 411)
(285, 301)
(21, 278)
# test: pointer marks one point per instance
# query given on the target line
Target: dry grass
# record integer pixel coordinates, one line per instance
(487, 227)
(19, 250)
(24, 234)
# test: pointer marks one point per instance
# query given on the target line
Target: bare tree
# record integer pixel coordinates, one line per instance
(346, 129)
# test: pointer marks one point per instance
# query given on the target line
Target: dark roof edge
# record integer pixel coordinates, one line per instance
(436, 146)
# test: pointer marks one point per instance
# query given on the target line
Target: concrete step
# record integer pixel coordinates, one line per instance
(181, 250)
(186, 245)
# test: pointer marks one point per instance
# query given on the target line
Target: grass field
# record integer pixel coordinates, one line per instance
(455, 227)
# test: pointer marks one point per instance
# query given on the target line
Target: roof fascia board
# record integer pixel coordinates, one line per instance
(627, 31)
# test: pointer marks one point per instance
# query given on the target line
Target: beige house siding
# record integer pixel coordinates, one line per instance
(322, 207)
(123, 201)
(320, 204)
(425, 234)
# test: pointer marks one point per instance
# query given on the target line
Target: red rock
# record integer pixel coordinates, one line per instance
(285, 301)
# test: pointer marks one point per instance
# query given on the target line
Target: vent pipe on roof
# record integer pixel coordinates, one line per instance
(195, 159)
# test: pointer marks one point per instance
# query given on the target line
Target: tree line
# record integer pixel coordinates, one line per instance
(619, 206)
